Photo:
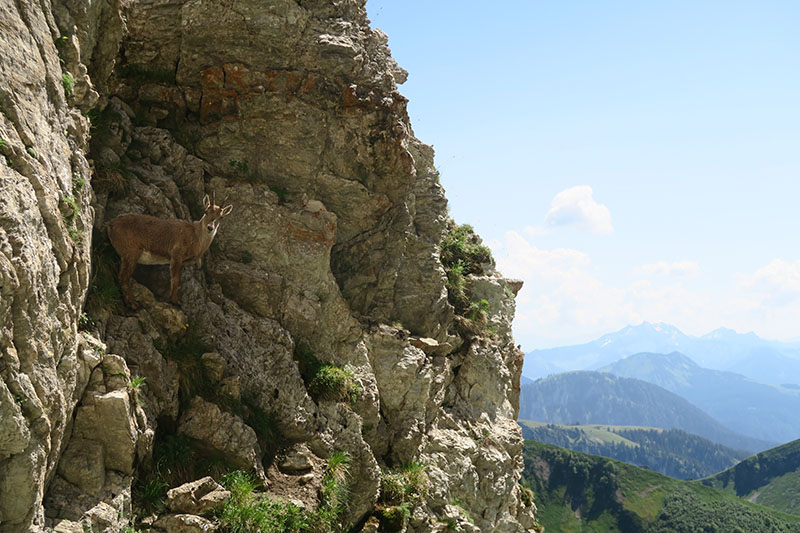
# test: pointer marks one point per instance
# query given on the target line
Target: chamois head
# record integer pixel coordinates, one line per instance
(213, 214)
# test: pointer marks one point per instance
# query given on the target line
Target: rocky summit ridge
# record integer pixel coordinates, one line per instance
(322, 328)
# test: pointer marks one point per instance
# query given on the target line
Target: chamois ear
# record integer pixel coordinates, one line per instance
(206, 202)
(225, 210)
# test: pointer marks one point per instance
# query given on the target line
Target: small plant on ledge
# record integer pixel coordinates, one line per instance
(326, 381)
(401, 490)
(462, 254)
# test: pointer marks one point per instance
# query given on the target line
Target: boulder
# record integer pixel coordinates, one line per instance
(198, 497)
(222, 432)
(184, 523)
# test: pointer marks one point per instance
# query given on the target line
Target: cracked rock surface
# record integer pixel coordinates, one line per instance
(289, 110)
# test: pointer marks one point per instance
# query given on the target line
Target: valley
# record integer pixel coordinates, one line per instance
(579, 492)
(671, 452)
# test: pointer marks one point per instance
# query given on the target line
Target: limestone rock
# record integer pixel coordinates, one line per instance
(338, 216)
(83, 465)
(404, 377)
(223, 432)
(108, 419)
(14, 432)
(214, 365)
(44, 259)
(183, 523)
(297, 459)
(231, 387)
(197, 498)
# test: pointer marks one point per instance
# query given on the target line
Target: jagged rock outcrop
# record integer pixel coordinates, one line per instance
(289, 110)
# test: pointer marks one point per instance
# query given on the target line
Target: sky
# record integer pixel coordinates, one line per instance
(627, 160)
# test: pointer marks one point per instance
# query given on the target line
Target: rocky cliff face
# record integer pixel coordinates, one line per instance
(318, 325)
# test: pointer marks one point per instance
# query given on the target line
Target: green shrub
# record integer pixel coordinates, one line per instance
(94, 117)
(149, 494)
(68, 82)
(526, 496)
(248, 512)
(333, 383)
(478, 311)
(462, 254)
(78, 184)
(409, 484)
(240, 168)
(462, 244)
(457, 285)
(76, 235)
(393, 518)
(73, 205)
(335, 494)
(325, 381)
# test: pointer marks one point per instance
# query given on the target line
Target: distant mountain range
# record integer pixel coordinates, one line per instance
(598, 398)
(671, 452)
(759, 410)
(722, 349)
(770, 478)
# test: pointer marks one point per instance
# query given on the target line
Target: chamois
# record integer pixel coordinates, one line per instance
(148, 240)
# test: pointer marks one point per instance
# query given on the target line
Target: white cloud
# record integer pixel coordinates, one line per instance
(774, 286)
(577, 207)
(565, 300)
(680, 269)
(563, 297)
(777, 276)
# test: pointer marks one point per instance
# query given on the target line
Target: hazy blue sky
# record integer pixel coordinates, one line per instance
(629, 160)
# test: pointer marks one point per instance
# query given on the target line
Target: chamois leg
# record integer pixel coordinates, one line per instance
(125, 274)
(175, 268)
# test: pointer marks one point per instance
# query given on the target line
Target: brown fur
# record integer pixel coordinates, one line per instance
(150, 240)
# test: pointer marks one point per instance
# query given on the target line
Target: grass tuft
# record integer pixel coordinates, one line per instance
(462, 254)
(68, 82)
(249, 512)
(401, 491)
(326, 381)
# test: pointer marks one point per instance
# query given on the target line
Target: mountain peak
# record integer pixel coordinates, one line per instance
(729, 334)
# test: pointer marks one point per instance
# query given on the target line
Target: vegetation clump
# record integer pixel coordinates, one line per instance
(68, 81)
(463, 254)
(672, 452)
(251, 512)
(579, 492)
(326, 381)
(401, 490)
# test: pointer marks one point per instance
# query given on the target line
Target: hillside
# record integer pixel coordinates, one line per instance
(598, 398)
(723, 349)
(756, 409)
(770, 478)
(672, 452)
(585, 493)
